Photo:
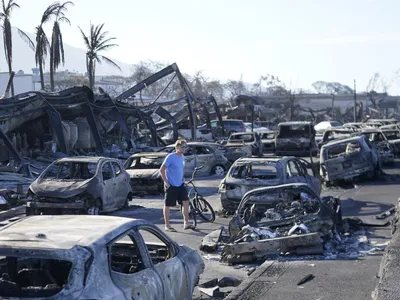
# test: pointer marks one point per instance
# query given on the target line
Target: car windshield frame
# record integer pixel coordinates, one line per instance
(70, 171)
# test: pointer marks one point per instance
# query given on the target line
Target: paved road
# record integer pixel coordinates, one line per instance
(334, 279)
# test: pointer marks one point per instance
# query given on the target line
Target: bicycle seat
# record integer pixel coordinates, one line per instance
(198, 168)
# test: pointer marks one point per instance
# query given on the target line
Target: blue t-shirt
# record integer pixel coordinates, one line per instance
(175, 165)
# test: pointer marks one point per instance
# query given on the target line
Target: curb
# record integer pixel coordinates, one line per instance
(12, 212)
(247, 284)
(389, 270)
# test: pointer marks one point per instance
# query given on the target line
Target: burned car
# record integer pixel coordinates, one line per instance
(282, 206)
(144, 172)
(380, 142)
(228, 152)
(348, 159)
(246, 140)
(393, 137)
(268, 141)
(295, 138)
(86, 185)
(201, 154)
(253, 172)
(94, 257)
(332, 134)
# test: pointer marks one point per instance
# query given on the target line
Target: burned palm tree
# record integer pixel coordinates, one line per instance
(42, 43)
(57, 46)
(5, 16)
(96, 42)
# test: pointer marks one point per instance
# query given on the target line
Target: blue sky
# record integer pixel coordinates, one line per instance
(301, 41)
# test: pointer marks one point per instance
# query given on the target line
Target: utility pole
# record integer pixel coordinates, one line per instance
(355, 102)
(333, 106)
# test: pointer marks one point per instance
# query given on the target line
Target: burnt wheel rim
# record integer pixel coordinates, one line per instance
(218, 170)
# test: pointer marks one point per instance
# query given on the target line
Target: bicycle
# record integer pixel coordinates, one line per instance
(197, 204)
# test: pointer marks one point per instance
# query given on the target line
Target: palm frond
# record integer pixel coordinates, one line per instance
(109, 61)
(85, 39)
(27, 39)
(106, 47)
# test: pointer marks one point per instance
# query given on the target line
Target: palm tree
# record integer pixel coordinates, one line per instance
(95, 42)
(5, 15)
(42, 43)
(57, 46)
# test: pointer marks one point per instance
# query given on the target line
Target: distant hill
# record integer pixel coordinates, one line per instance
(75, 60)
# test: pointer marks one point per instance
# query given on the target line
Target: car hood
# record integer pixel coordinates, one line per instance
(144, 173)
(59, 188)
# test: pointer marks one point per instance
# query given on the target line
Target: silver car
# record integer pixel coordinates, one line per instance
(94, 257)
(86, 185)
(201, 154)
(250, 173)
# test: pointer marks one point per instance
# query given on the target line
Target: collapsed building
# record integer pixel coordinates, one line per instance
(77, 120)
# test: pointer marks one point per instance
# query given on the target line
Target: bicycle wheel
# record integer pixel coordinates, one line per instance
(204, 209)
(192, 214)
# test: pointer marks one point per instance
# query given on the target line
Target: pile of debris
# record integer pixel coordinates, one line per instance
(294, 223)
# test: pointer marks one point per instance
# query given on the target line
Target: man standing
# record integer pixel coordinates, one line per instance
(175, 190)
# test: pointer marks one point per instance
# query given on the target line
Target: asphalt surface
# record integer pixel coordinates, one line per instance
(336, 279)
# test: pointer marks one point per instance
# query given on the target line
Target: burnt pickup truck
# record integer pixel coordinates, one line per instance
(295, 138)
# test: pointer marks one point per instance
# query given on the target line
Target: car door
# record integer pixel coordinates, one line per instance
(109, 186)
(121, 184)
(132, 271)
(190, 160)
(310, 175)
(163, 255)
(206, 158)
(294, 173)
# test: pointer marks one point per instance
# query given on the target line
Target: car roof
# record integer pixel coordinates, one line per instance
(296, 123)
(150, 154)
(348, 140)
(88, 159)
(62, 232)
(260, 159)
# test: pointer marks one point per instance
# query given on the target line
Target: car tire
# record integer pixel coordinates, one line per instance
(96, 208)
(128, 198)
(218, 170)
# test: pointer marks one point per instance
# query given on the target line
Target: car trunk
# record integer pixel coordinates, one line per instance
(39, 274)
(347, 163)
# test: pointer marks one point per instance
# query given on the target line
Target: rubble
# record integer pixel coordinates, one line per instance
(211, 240)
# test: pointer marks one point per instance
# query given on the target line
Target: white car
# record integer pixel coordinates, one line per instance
(327, 124)
(256, 128)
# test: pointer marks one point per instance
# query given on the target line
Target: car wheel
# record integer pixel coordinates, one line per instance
(218, 170)
(95, 208)
(128, 198)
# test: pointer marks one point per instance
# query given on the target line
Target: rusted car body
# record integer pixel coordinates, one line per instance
(348, 159)
(80, 185)
(268, 141)
(250, 173)
(281, 206)
(248, 142)
(144, 172)
(200, 154)
(380, 142)
(295, 138)
(94, 257)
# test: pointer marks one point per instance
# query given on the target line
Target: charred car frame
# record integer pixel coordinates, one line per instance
(80, 185)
